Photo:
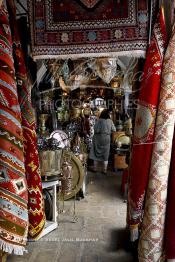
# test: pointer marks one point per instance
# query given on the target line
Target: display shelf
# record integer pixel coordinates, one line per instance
(53, 224)
(49, 227)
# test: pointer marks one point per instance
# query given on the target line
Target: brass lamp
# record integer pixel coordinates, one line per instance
(43, 118)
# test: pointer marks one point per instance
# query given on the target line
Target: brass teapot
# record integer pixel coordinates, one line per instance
(75, 112)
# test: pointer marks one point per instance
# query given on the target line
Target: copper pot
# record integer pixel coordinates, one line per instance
(120, 162)
(117, 134)
(123, 140)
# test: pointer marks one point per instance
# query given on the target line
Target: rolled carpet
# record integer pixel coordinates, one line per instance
(145, 126)
(170, 214)
(13, 185)
(35, 196)
(151, 243)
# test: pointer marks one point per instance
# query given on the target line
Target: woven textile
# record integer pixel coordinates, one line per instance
(145, 126)
(35, 203)
(153, 226)
(13, 186)
(89, 28)
(170, 217)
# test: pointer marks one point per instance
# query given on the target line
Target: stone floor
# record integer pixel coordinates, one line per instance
(98, 235)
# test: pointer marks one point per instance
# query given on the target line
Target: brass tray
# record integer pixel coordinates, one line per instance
(77, 176)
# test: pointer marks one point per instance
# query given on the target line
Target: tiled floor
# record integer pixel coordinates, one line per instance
(97, 236)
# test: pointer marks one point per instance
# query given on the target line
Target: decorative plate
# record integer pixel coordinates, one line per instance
(61, 137)
(77, 175)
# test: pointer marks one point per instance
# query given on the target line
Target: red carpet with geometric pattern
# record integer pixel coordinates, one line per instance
(89, 28)
(143, 138)
(151, 242)
(35, 202)
(13, 185)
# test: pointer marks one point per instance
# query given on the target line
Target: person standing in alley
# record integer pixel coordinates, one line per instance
(101, 140)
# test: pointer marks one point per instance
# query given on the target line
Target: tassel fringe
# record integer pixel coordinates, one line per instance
(132, 53)
(10, 248)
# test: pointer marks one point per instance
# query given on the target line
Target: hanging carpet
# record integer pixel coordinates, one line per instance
(13, 186)
(89, 28)
(151, 242)
(145, 126)
(35, 201)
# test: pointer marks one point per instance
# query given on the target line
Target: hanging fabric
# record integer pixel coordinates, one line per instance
(145, 126)
(13, 185)
(35, 204)
(153, 227)
(170, 217)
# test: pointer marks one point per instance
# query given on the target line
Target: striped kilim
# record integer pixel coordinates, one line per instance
(145, 126)
(151, 243)
(36, 202)
(13, 186)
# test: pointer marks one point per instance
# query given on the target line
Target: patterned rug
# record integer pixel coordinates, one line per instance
(151, 244)
(35, 202)
(170, 214)
(13, 185)
(145, 126)
(89, 27)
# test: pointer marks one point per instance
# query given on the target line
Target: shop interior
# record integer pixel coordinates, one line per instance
(71, 95)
